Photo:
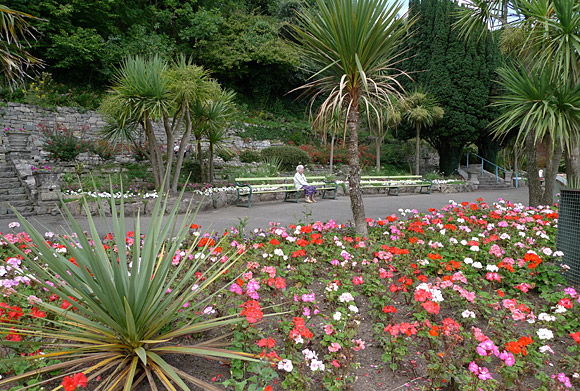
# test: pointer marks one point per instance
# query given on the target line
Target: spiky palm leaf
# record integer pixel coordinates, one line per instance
(126, 300)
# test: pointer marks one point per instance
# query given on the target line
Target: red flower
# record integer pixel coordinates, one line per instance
(70, 383)
(388, 309)
(358, 280)
(576, 336)
(431, 307)
(252, 311)
(36, 313)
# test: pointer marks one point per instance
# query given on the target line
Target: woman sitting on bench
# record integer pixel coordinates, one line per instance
(301, 183)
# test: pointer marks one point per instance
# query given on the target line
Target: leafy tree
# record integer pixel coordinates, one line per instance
(421, 111)
(351, 46)
(458, 73)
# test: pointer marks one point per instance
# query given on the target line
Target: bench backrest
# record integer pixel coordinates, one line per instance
(273, 180)
(393, 178)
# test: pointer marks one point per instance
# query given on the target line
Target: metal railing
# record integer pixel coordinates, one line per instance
(497, 168)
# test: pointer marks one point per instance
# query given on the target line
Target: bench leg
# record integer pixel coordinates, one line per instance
(239, 202)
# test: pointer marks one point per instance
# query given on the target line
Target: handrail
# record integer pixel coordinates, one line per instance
(497, 168)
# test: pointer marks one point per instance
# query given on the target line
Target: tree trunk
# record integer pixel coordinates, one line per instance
(449, 157)
(182, 148)
(535, 187)
(153, 149)
(573, 166)
(355, 192)
(417, 151)
(200, 159)
(170, 150)
(210, 170)
(552, 163)
(332, 152)
(378, 154)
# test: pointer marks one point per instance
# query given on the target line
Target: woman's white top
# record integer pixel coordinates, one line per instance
(299, 180)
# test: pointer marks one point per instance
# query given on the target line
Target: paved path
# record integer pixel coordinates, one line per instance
(260, 214)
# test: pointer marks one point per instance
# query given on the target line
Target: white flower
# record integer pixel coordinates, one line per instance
(546, 348)
(353, 308)
(474, 248)
(560, 309)
(285, 365)
(468, 260)
(298, 339)
(491, 268)
(545, 334)
(337, 315)
(2, 271)
(309, 354)
(547, 251)
(14, 224)
(546, 317)
(477, 265)
(505, 236)
(316, 365)
(346, 297)
(468, 314)
(279, 252)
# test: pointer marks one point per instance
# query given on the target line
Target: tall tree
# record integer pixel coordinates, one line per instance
(458, 73)
(421, 111)
(542, 85)
(351, 46)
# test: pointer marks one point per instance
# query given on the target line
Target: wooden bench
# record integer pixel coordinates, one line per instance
(392, 183)
(248, 186)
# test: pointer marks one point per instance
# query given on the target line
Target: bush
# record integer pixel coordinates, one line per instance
(289, 156)
(103, 149)
(139, 152)
(321, 154)
(226, 154)
(191, 169)
(250, 156)
(61, 143)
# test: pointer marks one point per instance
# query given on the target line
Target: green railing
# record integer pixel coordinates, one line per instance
(497, 168)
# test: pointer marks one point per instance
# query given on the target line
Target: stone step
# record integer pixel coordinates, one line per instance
(6, 183)
(15, 203)
(11, 198)
(13, 189)
(23, 210)
(8, 174)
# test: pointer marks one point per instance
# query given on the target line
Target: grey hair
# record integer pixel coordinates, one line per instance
(299, 167)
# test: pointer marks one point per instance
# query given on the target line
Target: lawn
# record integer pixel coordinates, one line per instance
(469, 297)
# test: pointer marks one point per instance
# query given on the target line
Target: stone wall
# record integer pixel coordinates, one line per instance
(88, 123)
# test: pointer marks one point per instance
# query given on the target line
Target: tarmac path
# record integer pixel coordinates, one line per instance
(285, 213)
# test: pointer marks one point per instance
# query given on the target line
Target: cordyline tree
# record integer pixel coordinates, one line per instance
(15, 60)
(147, 90)
(351, 47)
(542, 84)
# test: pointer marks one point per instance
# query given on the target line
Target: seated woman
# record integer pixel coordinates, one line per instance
(301, 183)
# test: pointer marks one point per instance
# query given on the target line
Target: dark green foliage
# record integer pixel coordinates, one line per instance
(250, 156)
(288, 155)
(61, 143)
(458, 73)
(192, 170)
(103, 149)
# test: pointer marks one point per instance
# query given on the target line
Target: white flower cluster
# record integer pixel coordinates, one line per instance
(436, 295)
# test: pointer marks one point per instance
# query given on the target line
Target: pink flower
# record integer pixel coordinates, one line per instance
(358, 280)
(487, 348)
(359, 344)
(508, 358)
(334, 347)
(236, 289)
(328, 329)
(308, 297)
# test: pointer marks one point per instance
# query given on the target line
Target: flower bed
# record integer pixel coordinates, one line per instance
(470, 297)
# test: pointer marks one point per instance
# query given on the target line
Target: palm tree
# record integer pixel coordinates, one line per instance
(140, 96)
(540, 85)
(351, 47)
(218, 111)
(15, 31)
(189, 84)
(392, 117)
(421, 112)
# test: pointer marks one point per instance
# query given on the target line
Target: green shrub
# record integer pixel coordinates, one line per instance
(250, 156)
(289, 156)
(103, 149)
(321, 154)
(226, 154)
(61, 143)
(192, 170)
(139, 152)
